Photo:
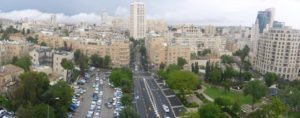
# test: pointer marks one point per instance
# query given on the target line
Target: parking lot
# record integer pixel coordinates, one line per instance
(90, 95)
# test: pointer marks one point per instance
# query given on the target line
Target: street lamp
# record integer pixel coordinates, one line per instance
(57, 98)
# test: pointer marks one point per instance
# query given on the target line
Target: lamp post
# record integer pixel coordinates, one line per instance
(57, 98)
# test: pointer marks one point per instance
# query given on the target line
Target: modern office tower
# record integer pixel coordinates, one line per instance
(137, 19)
(278, 52)
(265, 19)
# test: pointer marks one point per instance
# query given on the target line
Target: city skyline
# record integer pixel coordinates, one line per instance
(234, 13)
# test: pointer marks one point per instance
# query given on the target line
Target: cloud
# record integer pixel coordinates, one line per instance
(33, 14)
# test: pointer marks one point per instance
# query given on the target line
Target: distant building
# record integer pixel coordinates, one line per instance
(9, 78)
(160, 50)
(265, 19)
(10, 49)
(137, 19)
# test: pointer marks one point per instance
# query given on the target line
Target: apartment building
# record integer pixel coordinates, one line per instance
(58, 56)
(164, 51)
(278, 52)
(10, 49)
(9, 78)
(137, 19)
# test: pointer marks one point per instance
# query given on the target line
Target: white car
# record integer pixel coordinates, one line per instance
(96, 89)
(78, 103)
(96, 115)
(99, 107)
(99, 102)
(101, 93)
(166, 108)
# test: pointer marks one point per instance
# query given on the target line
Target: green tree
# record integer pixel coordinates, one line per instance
(41, 111)
(230, 73)
(223, 102)
(126, 100)
(66, 32)
(181, 62)
(23, 31)
(96, 60)
(15, 59)
(205, 52)
(172, 67)
(215, 75)
(270, 78)
(32, 40)
(128, 112)
(68, 65)
(247, 76)
(106, 61)
(63, 92)
(31, 86)
(83, 63)
(24, 62)
(275, 109)
(256, 89)
(77, 55)
(210, 110)
(43, 44)
(236, 107)
(193, 67)
(28, 31)
(196, 68)
(184, 81)
(227, 59)
(226, 84)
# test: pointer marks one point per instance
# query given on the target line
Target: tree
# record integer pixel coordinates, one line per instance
(215, 76)
(15, 59)
(226, 59)
(83, 63)
(184, 81)
(121, 77)
(63, 92)
(32, 40)
(210, 110)
(96, 61)
(66, 32)
(256, 89)
(193, 67)
(236, 107)
(205, 52)
(196, 68)
(43, 44)
(207, 70)
(106, 61)
(128, 112)
(246, 65)
(23, 31)
(126, 100)
(162, 66)
(77, 55)
(275, 109)
(223, 102)
(226, 84)
(270, 78)
(24, 62)
(172, 67)
(247, 76)
(230, 73)
(181, 62)
(31, 86)
(68, 65)
(28, 31)
(41, 111)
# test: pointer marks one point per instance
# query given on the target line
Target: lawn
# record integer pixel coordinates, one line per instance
(215, 92)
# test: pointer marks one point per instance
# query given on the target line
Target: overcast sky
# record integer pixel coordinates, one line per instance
(202, 12)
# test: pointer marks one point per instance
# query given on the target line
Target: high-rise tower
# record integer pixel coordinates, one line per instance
(137, 19)
(265, 19)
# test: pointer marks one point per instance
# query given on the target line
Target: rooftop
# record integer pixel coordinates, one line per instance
(9, 69)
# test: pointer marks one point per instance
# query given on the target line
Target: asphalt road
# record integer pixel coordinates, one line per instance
(86, 98)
